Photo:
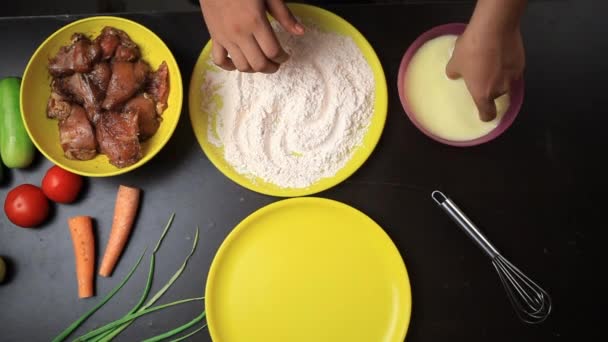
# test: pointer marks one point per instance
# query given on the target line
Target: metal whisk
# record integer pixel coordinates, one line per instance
(530, 301)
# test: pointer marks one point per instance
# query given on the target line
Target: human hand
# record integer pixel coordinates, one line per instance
(488, 64)
(242, 36)
(490, 55)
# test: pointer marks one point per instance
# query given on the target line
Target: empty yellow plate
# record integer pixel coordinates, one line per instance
(325, 20)
(308, 269)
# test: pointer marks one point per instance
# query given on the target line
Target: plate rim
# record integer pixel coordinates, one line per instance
(381, 94)
(237, 231)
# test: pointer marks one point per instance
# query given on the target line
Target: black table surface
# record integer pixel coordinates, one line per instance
(535, 191)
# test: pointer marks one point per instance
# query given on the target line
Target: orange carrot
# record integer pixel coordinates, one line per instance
(125, 210)
(81, 229)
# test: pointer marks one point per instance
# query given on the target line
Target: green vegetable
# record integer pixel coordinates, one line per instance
(1, 166)
(133, 316)
(190, 334)
(1, 169)
(111, 334)
(158, 294)
(112, 329)
(180, 329)
(62, 336)
(2, 268)
(177, 274)
(16, 148)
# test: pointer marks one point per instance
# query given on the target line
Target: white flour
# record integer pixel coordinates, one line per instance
(300, 124)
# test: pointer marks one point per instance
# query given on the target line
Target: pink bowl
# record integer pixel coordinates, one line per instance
(516, 92)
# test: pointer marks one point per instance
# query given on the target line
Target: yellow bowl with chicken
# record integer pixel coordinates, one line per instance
(110, 111)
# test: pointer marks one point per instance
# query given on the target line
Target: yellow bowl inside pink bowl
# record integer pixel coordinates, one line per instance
(35, 91)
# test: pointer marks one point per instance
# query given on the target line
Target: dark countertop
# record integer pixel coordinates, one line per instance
(536, 191)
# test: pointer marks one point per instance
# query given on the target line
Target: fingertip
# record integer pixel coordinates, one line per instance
(298, 29)
(452, 75)
(488, 111)
(271, 68)
(450, 71)
(220, 57)
(486, 108)
(282, 58)
(487, 116)
(229, 65)
(225, 63)
(236, 60)
(280, 11)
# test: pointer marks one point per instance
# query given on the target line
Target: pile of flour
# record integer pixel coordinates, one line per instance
(300, 124)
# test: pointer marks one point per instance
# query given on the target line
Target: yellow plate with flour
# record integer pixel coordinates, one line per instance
(326, 21)
(308, 269)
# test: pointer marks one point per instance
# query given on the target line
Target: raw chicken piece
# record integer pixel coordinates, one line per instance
(80, 56)
(76, 135)
(126, 53)
(109, 41)
(117, 43)
(100, 76)
(83, 92)
(158, 87)
(58, 107)
(127, 78)
(143, 106)
(117, 136)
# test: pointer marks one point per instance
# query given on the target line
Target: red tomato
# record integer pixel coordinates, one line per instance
(61, 186)
(26, 206)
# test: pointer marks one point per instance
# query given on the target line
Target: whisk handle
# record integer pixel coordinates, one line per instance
(465, 223)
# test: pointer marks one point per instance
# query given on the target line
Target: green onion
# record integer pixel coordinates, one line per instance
(64, 334)
(177, 274)
(111, 334)
(179, 330)
(132, 317)
(190, 334)
(160, 292)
